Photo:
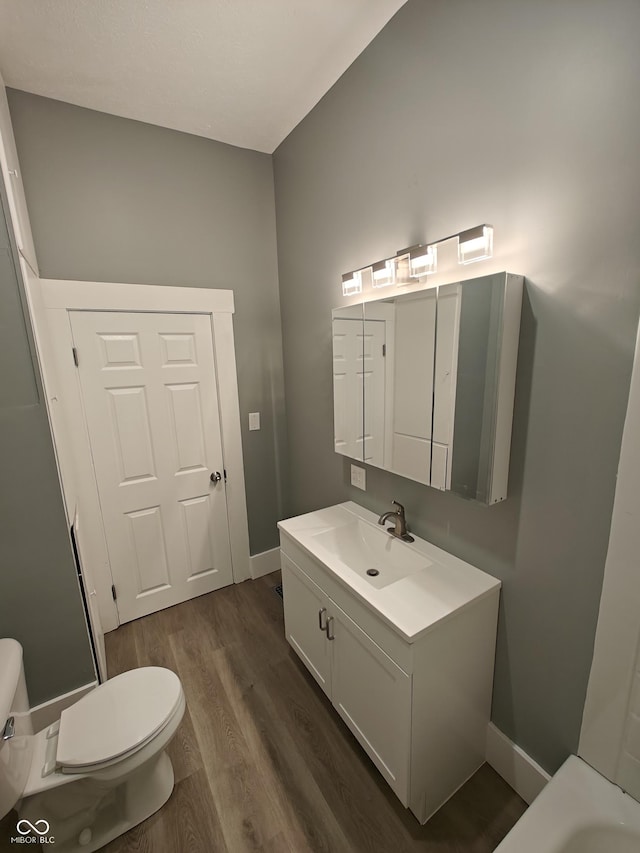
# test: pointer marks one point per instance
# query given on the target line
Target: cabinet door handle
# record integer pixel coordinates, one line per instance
(320, 614)
(330, 634)
(9, 729)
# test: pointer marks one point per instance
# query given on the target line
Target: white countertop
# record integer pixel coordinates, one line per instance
(411, 605)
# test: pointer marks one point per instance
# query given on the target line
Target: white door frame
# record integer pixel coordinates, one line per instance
(50, 303)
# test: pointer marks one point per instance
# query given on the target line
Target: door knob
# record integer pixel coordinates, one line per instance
(215, 477)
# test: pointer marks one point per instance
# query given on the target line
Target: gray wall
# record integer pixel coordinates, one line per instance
(525, 115)
(117, 200)
(40, 603)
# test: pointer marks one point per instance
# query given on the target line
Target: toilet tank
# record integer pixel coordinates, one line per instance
(15, 752)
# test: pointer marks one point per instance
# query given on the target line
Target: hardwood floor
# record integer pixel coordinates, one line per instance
(263, 762)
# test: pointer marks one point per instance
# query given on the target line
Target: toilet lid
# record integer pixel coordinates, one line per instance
(117, 716)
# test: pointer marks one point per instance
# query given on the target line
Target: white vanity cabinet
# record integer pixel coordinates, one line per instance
(414, 690)
(369, 691)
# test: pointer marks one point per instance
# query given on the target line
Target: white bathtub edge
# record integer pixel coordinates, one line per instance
(518, 769)
(579, 810)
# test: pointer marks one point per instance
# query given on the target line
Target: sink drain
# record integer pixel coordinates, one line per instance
(373, 573)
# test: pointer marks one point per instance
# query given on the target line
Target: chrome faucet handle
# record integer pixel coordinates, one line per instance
(400, 507)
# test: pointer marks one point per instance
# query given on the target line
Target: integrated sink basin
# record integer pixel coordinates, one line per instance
(411, 586)
(371, 552)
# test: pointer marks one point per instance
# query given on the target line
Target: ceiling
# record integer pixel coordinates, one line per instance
(240, 71)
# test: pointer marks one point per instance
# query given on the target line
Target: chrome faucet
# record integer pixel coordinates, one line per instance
(399, 530)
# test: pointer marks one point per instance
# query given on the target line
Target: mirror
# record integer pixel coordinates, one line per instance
(424, 383)
(348, 393)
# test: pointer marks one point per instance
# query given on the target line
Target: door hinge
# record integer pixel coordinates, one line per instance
(75, 356)
(384, 350)
(113, 592)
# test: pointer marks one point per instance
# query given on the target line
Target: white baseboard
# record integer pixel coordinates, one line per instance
(47, 713)
(514, 765)
(265, 563)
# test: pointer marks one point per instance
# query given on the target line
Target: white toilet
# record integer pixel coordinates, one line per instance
(100, 769)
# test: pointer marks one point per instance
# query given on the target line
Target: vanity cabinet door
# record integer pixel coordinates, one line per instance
(373, 696)
(305, 610)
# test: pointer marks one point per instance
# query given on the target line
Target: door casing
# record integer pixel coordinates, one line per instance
(50, 302)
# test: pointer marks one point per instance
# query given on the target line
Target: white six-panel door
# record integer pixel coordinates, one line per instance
(151, 406)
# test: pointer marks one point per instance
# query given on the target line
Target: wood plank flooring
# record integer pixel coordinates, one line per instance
(263, 762)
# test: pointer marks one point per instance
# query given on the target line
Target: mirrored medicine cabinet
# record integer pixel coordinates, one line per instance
(423, 383)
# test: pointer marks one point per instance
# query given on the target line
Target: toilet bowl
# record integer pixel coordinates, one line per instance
(101, 768)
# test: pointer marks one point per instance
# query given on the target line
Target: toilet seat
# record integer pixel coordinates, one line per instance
(117, 718)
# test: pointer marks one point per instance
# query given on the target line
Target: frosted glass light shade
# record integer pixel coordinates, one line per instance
(352, 283)
(476, 244)
(423, 260)
(383, 273)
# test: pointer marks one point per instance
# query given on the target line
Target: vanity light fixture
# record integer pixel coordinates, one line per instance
(415, 262)
(383, 273)
(352, 283)
(475, 244)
